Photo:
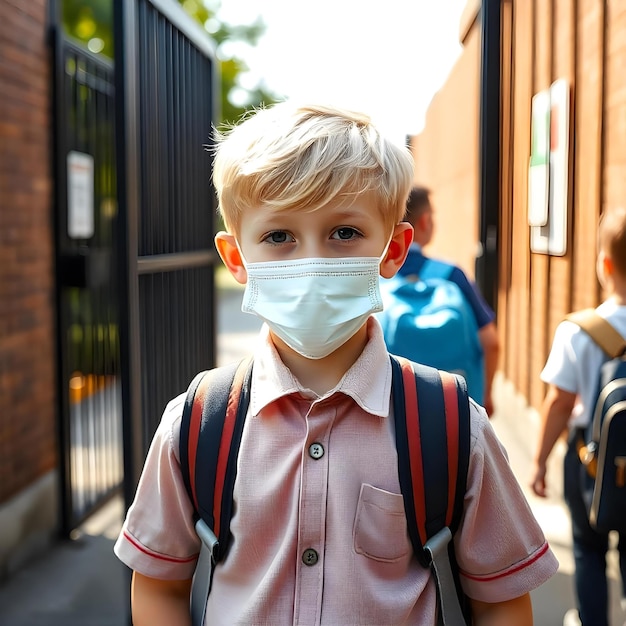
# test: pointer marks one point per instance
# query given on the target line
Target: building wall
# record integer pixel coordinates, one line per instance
(28, 448)
(542, 41)
(446, 154)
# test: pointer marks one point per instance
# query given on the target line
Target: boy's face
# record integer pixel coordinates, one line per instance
(342, 228)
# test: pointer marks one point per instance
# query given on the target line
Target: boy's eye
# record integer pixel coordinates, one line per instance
(278, 236)
(346, 233)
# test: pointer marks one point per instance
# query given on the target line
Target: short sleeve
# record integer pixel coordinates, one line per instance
(158, 537)
(560, 368)
(501, 549)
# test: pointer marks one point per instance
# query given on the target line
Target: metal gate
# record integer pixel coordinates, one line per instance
(89, 391)
(134, 241)
(165, 97)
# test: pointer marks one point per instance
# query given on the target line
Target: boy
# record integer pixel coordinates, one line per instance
(572, 371)
(419, 213)
(313, 199)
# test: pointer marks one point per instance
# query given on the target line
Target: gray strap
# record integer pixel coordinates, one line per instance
(204, 570)
(437, 548)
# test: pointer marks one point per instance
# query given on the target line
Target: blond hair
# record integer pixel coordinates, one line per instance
(291, 156)
(612, 237)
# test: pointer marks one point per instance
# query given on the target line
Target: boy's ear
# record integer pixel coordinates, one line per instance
(398, 249)
(226, 245)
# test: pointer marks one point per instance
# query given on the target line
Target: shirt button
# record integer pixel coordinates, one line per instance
(316, 450)
(309, 557)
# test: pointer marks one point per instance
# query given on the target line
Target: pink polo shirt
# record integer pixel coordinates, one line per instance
(319, 529)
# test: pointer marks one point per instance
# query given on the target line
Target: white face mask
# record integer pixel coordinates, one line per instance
(314, 305)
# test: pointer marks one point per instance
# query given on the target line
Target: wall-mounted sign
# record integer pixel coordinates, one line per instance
(539, 167)
(80, 193)
(548, 172)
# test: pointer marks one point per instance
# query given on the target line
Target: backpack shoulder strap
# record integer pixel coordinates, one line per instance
(432, 420)
(211, 426)
(210, 435)
(600, 330)
(433, 268)
(434, 482)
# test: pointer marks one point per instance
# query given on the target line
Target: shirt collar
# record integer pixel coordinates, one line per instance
(367, 382)
(415, 247)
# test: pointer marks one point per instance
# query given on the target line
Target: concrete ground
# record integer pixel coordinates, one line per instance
(81, 582)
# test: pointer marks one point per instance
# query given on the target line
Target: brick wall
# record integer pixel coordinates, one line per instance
(27, 396)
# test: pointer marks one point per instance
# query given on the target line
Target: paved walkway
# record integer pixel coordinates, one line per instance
(81, 583)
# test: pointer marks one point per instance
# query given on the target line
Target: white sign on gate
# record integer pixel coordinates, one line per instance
(80, 194)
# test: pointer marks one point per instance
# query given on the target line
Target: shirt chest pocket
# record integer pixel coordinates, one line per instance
(380, 530)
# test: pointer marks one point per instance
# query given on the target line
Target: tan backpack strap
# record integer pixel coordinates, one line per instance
(600, 330)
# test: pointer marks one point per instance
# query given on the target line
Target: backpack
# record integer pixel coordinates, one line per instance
(603, 450)
(427, 319)
(433, 459)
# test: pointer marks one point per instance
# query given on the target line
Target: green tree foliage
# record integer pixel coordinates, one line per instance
(91, 22)
(235, 99)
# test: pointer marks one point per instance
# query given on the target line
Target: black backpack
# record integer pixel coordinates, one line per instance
(433, 459)
(603, 450)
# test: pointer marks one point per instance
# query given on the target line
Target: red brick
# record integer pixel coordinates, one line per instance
(28, 446)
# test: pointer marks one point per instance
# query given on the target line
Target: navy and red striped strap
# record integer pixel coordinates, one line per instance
(210, 434)
(433, 484)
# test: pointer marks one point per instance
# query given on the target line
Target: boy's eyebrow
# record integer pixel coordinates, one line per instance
(349, 213)
(281, 218)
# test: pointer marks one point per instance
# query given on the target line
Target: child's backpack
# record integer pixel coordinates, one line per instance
(427, 319)
(433, 459)
(603, 451)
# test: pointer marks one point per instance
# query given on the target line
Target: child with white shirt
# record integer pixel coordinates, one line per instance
(313, 199)
(572, 372)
